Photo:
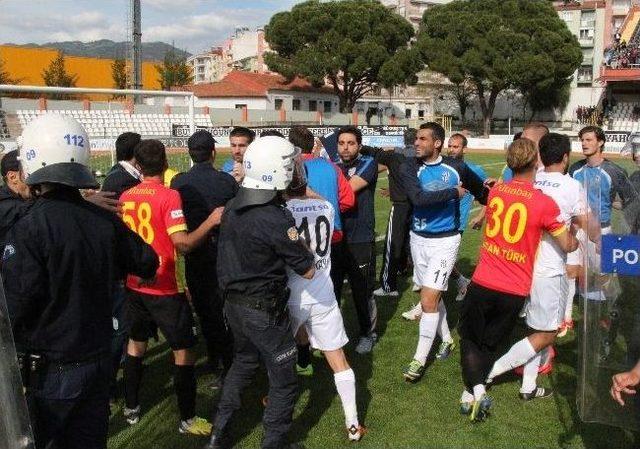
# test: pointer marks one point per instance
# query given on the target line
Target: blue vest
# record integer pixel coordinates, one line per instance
(322, 178)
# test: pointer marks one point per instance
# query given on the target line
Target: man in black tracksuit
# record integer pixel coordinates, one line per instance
(121, 177)
(203, 189)
(394, 257)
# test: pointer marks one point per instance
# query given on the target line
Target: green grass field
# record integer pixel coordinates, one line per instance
(397, 414)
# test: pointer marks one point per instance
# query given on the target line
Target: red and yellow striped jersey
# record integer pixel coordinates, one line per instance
(154, 212)
(517, 214)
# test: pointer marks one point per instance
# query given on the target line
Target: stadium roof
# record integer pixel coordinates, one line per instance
(249, 84)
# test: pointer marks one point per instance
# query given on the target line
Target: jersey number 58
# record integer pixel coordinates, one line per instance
(142, 211)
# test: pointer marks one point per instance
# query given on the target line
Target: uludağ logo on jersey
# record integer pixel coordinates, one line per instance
(445, 176)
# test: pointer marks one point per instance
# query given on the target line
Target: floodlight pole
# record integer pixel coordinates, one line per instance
(136, 16)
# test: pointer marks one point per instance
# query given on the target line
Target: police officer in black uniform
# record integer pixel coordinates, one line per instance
(258, 243)
(13, 194)
(59, 266)
(203, 189)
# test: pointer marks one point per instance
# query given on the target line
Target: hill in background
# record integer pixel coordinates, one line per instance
(104, 48)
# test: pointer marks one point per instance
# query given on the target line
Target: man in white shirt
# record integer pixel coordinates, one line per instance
(548, 299)
(313, 308)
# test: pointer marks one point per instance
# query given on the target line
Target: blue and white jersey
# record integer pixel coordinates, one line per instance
(431, 188)
(467, 201)
(602, 183)
(227, 167)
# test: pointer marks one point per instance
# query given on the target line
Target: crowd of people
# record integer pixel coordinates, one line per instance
(268, 243)
(589, 115)
(623, 55)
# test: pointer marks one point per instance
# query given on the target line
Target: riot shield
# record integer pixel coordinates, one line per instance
(609, 330)
(15, 427)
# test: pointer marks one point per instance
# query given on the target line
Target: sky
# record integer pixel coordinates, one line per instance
(194, 25)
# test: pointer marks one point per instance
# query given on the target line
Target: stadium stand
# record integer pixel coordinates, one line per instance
(624, 117)
(4, 129)
(105, 123)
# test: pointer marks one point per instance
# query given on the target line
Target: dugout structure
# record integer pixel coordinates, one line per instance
(609, 329)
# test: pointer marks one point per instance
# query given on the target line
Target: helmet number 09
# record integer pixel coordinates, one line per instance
(75, 140)
(267, 178)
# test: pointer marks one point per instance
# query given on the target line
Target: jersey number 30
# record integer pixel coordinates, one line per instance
(143, 214)
(503, 222)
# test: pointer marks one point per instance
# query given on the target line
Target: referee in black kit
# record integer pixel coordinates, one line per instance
(258, 243)
(202, 190)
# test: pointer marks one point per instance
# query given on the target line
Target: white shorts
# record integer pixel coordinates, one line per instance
(323, 323)
(547, 302)
(433, 260)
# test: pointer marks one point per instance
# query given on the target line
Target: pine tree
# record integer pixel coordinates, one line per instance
(56, 75)
(174, 71)
(119, 75)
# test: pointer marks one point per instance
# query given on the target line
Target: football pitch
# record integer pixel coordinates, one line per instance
(397, 414)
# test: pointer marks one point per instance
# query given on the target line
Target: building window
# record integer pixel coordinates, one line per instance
(621, 4)
(585, 75)
(617, 22)
(421, 113)
(278, 103)
(327, 106)
(407, 113)
(295, 104)
(313, 105)
(566, 16)
(588, 19)
(586, 33)
(241, 106)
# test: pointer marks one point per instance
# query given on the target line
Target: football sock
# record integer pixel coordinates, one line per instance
(346, 386)
(184, 382)
(520, 352)
(443, 326)
(478, 392)
(530, 373)
(132, 375)
(568, 311)
(466, 396)
(428, 329)
(304, 355)
(544, 356)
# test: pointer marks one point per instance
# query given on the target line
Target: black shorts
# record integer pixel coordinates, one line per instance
(171, 314)
(488, 316)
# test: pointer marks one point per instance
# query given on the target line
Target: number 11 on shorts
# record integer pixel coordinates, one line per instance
(445, 275)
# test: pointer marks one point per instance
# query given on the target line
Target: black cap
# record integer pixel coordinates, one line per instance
(200, 144)
(9, 163)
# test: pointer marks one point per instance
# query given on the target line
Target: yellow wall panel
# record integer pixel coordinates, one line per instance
(27, 64)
